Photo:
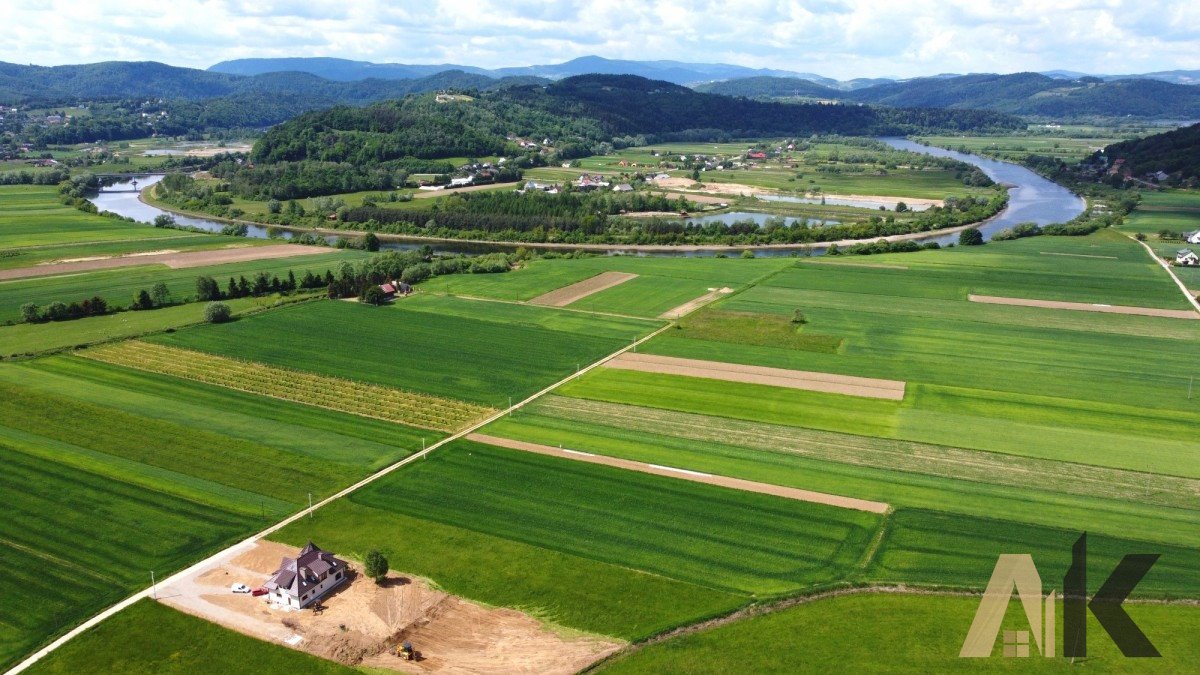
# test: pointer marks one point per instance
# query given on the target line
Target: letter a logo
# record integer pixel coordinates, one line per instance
(1012, 571)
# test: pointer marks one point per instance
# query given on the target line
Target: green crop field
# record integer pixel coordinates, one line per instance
(681, 550)
(34, 338)
(1017, 148)
(899, 633)
(153, 638)
(1172, 210)
(119, 286)
(475, 351)
(181, 241)
(31, 215)
(662, 283)
(111, 473)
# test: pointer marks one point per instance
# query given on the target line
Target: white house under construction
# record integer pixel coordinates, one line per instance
(308, 577)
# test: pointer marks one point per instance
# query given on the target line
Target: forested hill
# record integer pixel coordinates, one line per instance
(579, 114)
(1173, 152)
(1018, 94)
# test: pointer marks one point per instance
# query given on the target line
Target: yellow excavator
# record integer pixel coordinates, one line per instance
(406, 652)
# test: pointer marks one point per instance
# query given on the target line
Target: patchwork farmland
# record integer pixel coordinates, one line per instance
(970, 429)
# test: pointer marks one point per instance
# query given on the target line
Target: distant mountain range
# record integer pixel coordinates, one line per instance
(1030, 94)
(678, 72)
(311, 83)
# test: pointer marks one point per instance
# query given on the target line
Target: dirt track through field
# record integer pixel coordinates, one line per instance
(684, 474)
(172, 259)
(776, 377)
(692, 305)
(1085, 307)
(363, 621)
(564, 296)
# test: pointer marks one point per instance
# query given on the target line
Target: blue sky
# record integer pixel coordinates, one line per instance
(837, 38)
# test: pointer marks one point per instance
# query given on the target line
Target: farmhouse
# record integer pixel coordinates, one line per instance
(393, 288)
(623, 187)
(1187, 258)
(1192, 237)
(303, 580)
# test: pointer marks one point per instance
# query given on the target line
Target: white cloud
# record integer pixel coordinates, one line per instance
(848, 38)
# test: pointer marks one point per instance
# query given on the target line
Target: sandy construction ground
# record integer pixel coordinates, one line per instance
(685, 185)
(361, 622)
(1085, 307)
(170, 258)
(567, 294)
(776, 377)
(684, 474)
(692, 305)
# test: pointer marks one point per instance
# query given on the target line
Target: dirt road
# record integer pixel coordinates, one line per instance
(1085, 307)
(170, 258)
(684, 474)
(776, 377)
(692, 305)
(564, 296)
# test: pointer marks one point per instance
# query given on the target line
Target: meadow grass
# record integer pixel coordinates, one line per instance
(483, 359)
(152, 638)
(1173, 210)
(899, 633)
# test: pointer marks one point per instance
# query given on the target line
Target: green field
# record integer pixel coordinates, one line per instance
(31, 215)
(34, 338)
(476, 351)
(1015, 148)
(181, 241)
(112, 473)
(152, 638)
(899, 634)
(560, 538)
(662, 283)
(119, 286)
(1173, 210)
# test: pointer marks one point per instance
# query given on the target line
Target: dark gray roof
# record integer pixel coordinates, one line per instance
(298, 575)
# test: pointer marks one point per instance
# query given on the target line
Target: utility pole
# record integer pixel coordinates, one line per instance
(153, 590)
(1190, 381)
(310, 506)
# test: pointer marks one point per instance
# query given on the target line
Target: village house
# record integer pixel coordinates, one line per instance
(534, 185)
(1187, 258)
(305, 579)
(623, 187)
(393, 288)
(756, 155)
(1192, 237)
(590, 182)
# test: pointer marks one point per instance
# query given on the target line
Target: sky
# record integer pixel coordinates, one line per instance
(843, 39)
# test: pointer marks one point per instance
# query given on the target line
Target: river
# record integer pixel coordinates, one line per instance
(1032, 198)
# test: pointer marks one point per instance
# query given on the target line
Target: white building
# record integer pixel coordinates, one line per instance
(305, 579)
(1187, 258)
(1192, 237)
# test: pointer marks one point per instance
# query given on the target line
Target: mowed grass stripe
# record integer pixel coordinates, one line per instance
(897, 455)
(716, 537)
(358, 398)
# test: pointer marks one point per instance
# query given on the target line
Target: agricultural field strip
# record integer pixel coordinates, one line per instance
(1086, 307)
(322, 391)
(895, 455)
(561, 297)
(685, 474)
(247, 544)
(1162, 263)
(692, 305)
(172, 259)
(780, 377)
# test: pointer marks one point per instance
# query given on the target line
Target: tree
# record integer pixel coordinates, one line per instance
(142, 300)
(371, 242)
(160, 294)
(376, 566)
(747, 254)
(274, 206)
(217, 312)
(373, 295)
(798, 317)
(901, 207)
(970, 237)
(56, 311)
(207, 289)
(30, 313)
(164, 220)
